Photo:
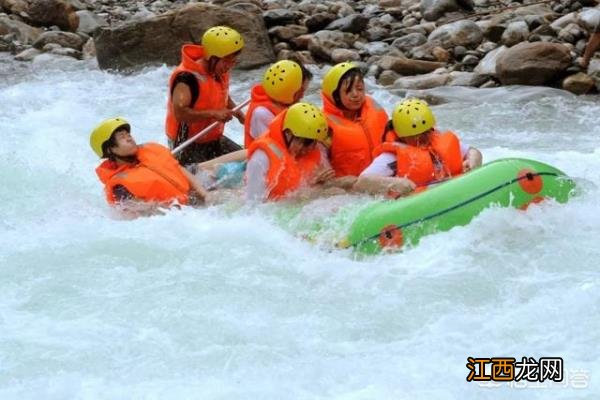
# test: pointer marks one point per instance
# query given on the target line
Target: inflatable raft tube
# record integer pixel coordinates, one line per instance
(506, 183)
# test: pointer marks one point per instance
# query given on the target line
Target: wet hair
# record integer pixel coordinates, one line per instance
(352, 76)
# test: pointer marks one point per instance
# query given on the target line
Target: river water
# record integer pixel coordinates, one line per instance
(229, 303)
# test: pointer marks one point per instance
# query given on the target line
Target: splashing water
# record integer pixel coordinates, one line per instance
(228, 302)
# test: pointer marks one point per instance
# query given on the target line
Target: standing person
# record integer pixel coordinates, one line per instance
(284, 84)
(199, 95)
(414, 151)
(145, 173)
(356, 120)
(289, 155)
(591, 46)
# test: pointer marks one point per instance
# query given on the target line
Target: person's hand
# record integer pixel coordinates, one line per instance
(240, 116)
(222, 115)
(323, 175)
(472, 160)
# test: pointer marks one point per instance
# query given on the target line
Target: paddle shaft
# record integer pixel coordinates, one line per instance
(205, 131)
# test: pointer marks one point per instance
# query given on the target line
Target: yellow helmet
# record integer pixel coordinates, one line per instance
(104, 131)
(306, 121)
(282, 80)
(221, 41)
(331, 80)
(412, 117)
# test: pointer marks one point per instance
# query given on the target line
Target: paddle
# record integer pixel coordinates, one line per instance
(205, 130)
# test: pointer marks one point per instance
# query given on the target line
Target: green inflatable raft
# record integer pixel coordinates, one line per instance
(506, 183)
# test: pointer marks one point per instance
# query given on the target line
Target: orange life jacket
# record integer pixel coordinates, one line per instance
(212, 95)
(353, 142)
(286, 173)
(156, 177)
(258, 98)
(440, 160)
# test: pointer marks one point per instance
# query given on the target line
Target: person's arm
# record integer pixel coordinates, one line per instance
(196, 187)
(378, 178)
(590, 48)
(239, 114)
(234, 156)
(184, 111)
(256, 177)
(472, 159)
(259, 121)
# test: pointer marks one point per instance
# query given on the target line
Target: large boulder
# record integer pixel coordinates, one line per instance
(460, 33)
(21, 31)
(63, 39)
(487, 65)
(158, 40)
(532, 63)
(52, 12)
(578, 83)
(427, 81)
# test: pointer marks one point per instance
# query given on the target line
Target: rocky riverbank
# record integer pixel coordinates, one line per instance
(405, 44)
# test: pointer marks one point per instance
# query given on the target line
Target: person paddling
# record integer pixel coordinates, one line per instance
(199, 96)
(145, 173)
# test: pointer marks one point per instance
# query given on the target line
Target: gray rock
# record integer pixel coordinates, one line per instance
(460, 33)
(492, 29)
(387, 78)
(287, 32)
(341, 55)
(470, 60)
(376, 33)
(579, 83)
(459, 52)
(28, 55)
(407, 66)
(564, 21)
(21, 31)
(158, 40)
(589, 18)
(516, 32)
(423, 52)
(487, 65)
(377, 48)
(486, 47)
(89, 22)
(68, 52)
(427, 81)
(594, 71)
(407, 42)
(544, 30)
(63, 39)
(355, 23)
(459, 78)
(280, 16)
(570, 33)
(319, 21)
(532, 63)
(434, 9)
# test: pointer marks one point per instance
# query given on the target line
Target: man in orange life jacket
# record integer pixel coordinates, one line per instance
(147, 173)
(356, 120)
(289, 155)
(415, 151)
(199, 95)
(284, 84)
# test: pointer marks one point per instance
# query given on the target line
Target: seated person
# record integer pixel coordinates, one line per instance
(284, 84)
(416, 153)
(145, 173)
(289, 155)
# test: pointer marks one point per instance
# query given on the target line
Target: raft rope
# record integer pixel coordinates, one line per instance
(528, 176)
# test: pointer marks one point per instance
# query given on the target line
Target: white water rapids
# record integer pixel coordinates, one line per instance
(225, 303)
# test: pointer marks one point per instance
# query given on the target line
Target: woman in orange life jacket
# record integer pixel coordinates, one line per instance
(356, 120)
(414, 154)
(146, 173)
(284, 84)
(199, 95)
(289, 155)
